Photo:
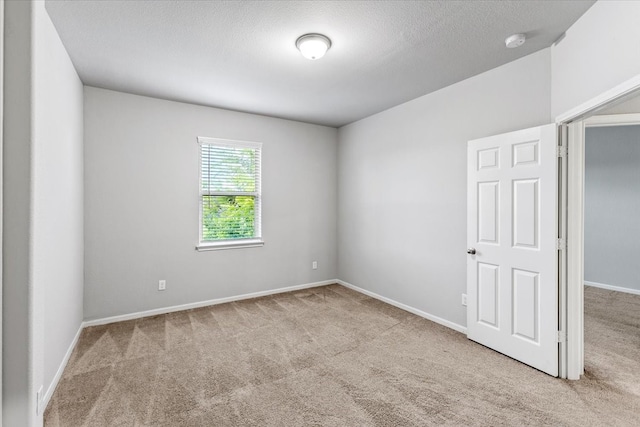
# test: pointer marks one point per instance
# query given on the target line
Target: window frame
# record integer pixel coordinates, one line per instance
(256, 240)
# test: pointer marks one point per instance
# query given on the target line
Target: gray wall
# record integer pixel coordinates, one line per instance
(58, 260)
(631, 105)
(402, 175)
(612, 203)
(594, 56)
(1, 132)
(18, 409)
(141, 204)
(42, 221)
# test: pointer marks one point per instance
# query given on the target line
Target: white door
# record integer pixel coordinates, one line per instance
(512, 278)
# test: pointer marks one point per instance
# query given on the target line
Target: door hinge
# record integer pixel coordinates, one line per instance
(562, 336)
(561, 151)
(561, 244)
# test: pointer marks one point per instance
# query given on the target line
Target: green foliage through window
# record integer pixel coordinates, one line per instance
(228, 217)
(229, 191)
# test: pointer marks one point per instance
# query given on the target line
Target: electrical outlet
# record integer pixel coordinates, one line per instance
(39, 401)
(314, 265)
(162, 285)
(464, 299)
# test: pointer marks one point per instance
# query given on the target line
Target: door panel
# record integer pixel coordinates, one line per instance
(525, 153)
(488, 223)
(512, 287)
(525, 304)
(488, 158)
(488, 294)
(525, 213)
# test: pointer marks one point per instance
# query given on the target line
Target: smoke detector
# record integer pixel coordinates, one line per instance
(515, 40)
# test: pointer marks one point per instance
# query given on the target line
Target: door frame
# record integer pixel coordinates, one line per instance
(571, 213)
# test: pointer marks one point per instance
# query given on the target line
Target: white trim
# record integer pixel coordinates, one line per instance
(257, 194)
(230, 244)
(171, 309)
(575, 252)
(229, 142)
(613, 120)
(562, 248)
(405, 307)
(624, 89)
(613, 288)
(61, 368)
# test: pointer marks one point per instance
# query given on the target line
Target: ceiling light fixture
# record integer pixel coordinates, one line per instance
(313, 46)
(515, 40)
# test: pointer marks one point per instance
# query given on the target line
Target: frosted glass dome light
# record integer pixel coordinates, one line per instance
(313, 46)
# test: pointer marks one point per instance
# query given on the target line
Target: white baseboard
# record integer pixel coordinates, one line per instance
(63, 365)
(405, 307)
(613, 288)
(171, 309)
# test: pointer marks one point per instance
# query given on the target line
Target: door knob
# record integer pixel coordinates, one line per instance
(471, 251)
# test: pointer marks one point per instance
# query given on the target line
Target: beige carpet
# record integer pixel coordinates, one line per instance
(333, 357)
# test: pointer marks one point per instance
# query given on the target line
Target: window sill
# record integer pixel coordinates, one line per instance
(228, 244)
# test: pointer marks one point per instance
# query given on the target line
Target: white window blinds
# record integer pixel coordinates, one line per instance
(229, 191)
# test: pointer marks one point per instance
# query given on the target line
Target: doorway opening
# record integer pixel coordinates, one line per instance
(607, 110)
(611, 233)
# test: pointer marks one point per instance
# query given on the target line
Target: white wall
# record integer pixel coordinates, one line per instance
(42, 223)
(57, 195)
(598, 53)
(612, 201)
(141, 204)
(402, 175)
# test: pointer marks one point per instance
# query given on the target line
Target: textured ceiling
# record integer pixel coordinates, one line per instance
(241, 55)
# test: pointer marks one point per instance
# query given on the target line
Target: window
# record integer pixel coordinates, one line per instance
(229, 194)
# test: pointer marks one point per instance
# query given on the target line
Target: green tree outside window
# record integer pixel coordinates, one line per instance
(229, 192)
